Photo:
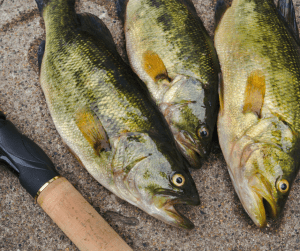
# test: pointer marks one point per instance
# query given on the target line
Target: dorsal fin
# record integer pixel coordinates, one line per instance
(255, 93)
(94, 26)
(154, 66)
(92, 129)
(220, 9)
(287, 11)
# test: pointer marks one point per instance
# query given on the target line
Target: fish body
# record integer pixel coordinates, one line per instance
(170, 50)
(105, 115)
(259, 118)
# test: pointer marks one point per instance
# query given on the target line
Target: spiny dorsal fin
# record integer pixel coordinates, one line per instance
(154, 66)
(287, 11)
(255, 93)
(92, 129)
(220, 9)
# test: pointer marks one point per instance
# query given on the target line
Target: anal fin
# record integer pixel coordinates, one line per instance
(92, 129)
(255, 93)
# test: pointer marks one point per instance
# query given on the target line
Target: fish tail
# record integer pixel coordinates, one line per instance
(41, 4)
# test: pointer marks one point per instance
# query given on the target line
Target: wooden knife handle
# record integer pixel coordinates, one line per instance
(78, 219)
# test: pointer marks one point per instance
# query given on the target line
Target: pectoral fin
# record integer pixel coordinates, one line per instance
(255, 93)
(154, 66)
(92, 129)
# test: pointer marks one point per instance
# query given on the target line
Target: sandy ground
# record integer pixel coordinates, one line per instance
(221, 223)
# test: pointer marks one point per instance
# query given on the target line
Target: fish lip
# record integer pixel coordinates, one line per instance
(182, 221)
(168, 207)
(179, 197)
(186, 143)
(253, 189)
(253, 202)
(264, 190)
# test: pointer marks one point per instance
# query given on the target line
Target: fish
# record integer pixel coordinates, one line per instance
(104, 114)
(259, 119)
(170, 50)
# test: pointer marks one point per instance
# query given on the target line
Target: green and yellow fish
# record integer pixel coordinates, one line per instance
(259, 118)
(170, 50)
(105, 115)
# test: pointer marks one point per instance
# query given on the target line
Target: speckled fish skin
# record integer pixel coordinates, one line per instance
(170, 50)
(105, 115)
(259, 118)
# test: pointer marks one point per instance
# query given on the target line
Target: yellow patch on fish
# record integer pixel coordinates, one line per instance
(221, 93)
(255, 92)
(154, 66)
(92, 129)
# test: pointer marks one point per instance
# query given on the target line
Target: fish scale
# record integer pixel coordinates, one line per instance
(170, 50)
(258, 124)
(105, 115)
(161, 27)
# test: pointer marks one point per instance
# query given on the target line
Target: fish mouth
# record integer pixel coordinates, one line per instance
(260, 200)
(193, 151)
(169, 214)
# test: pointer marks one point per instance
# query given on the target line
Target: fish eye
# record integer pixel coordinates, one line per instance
(283, 186)
(203, 132)
(178, 180)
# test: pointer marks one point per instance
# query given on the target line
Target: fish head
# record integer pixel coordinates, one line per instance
(162, 189)
(191, 111)
(158, 182)
(263, 180)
